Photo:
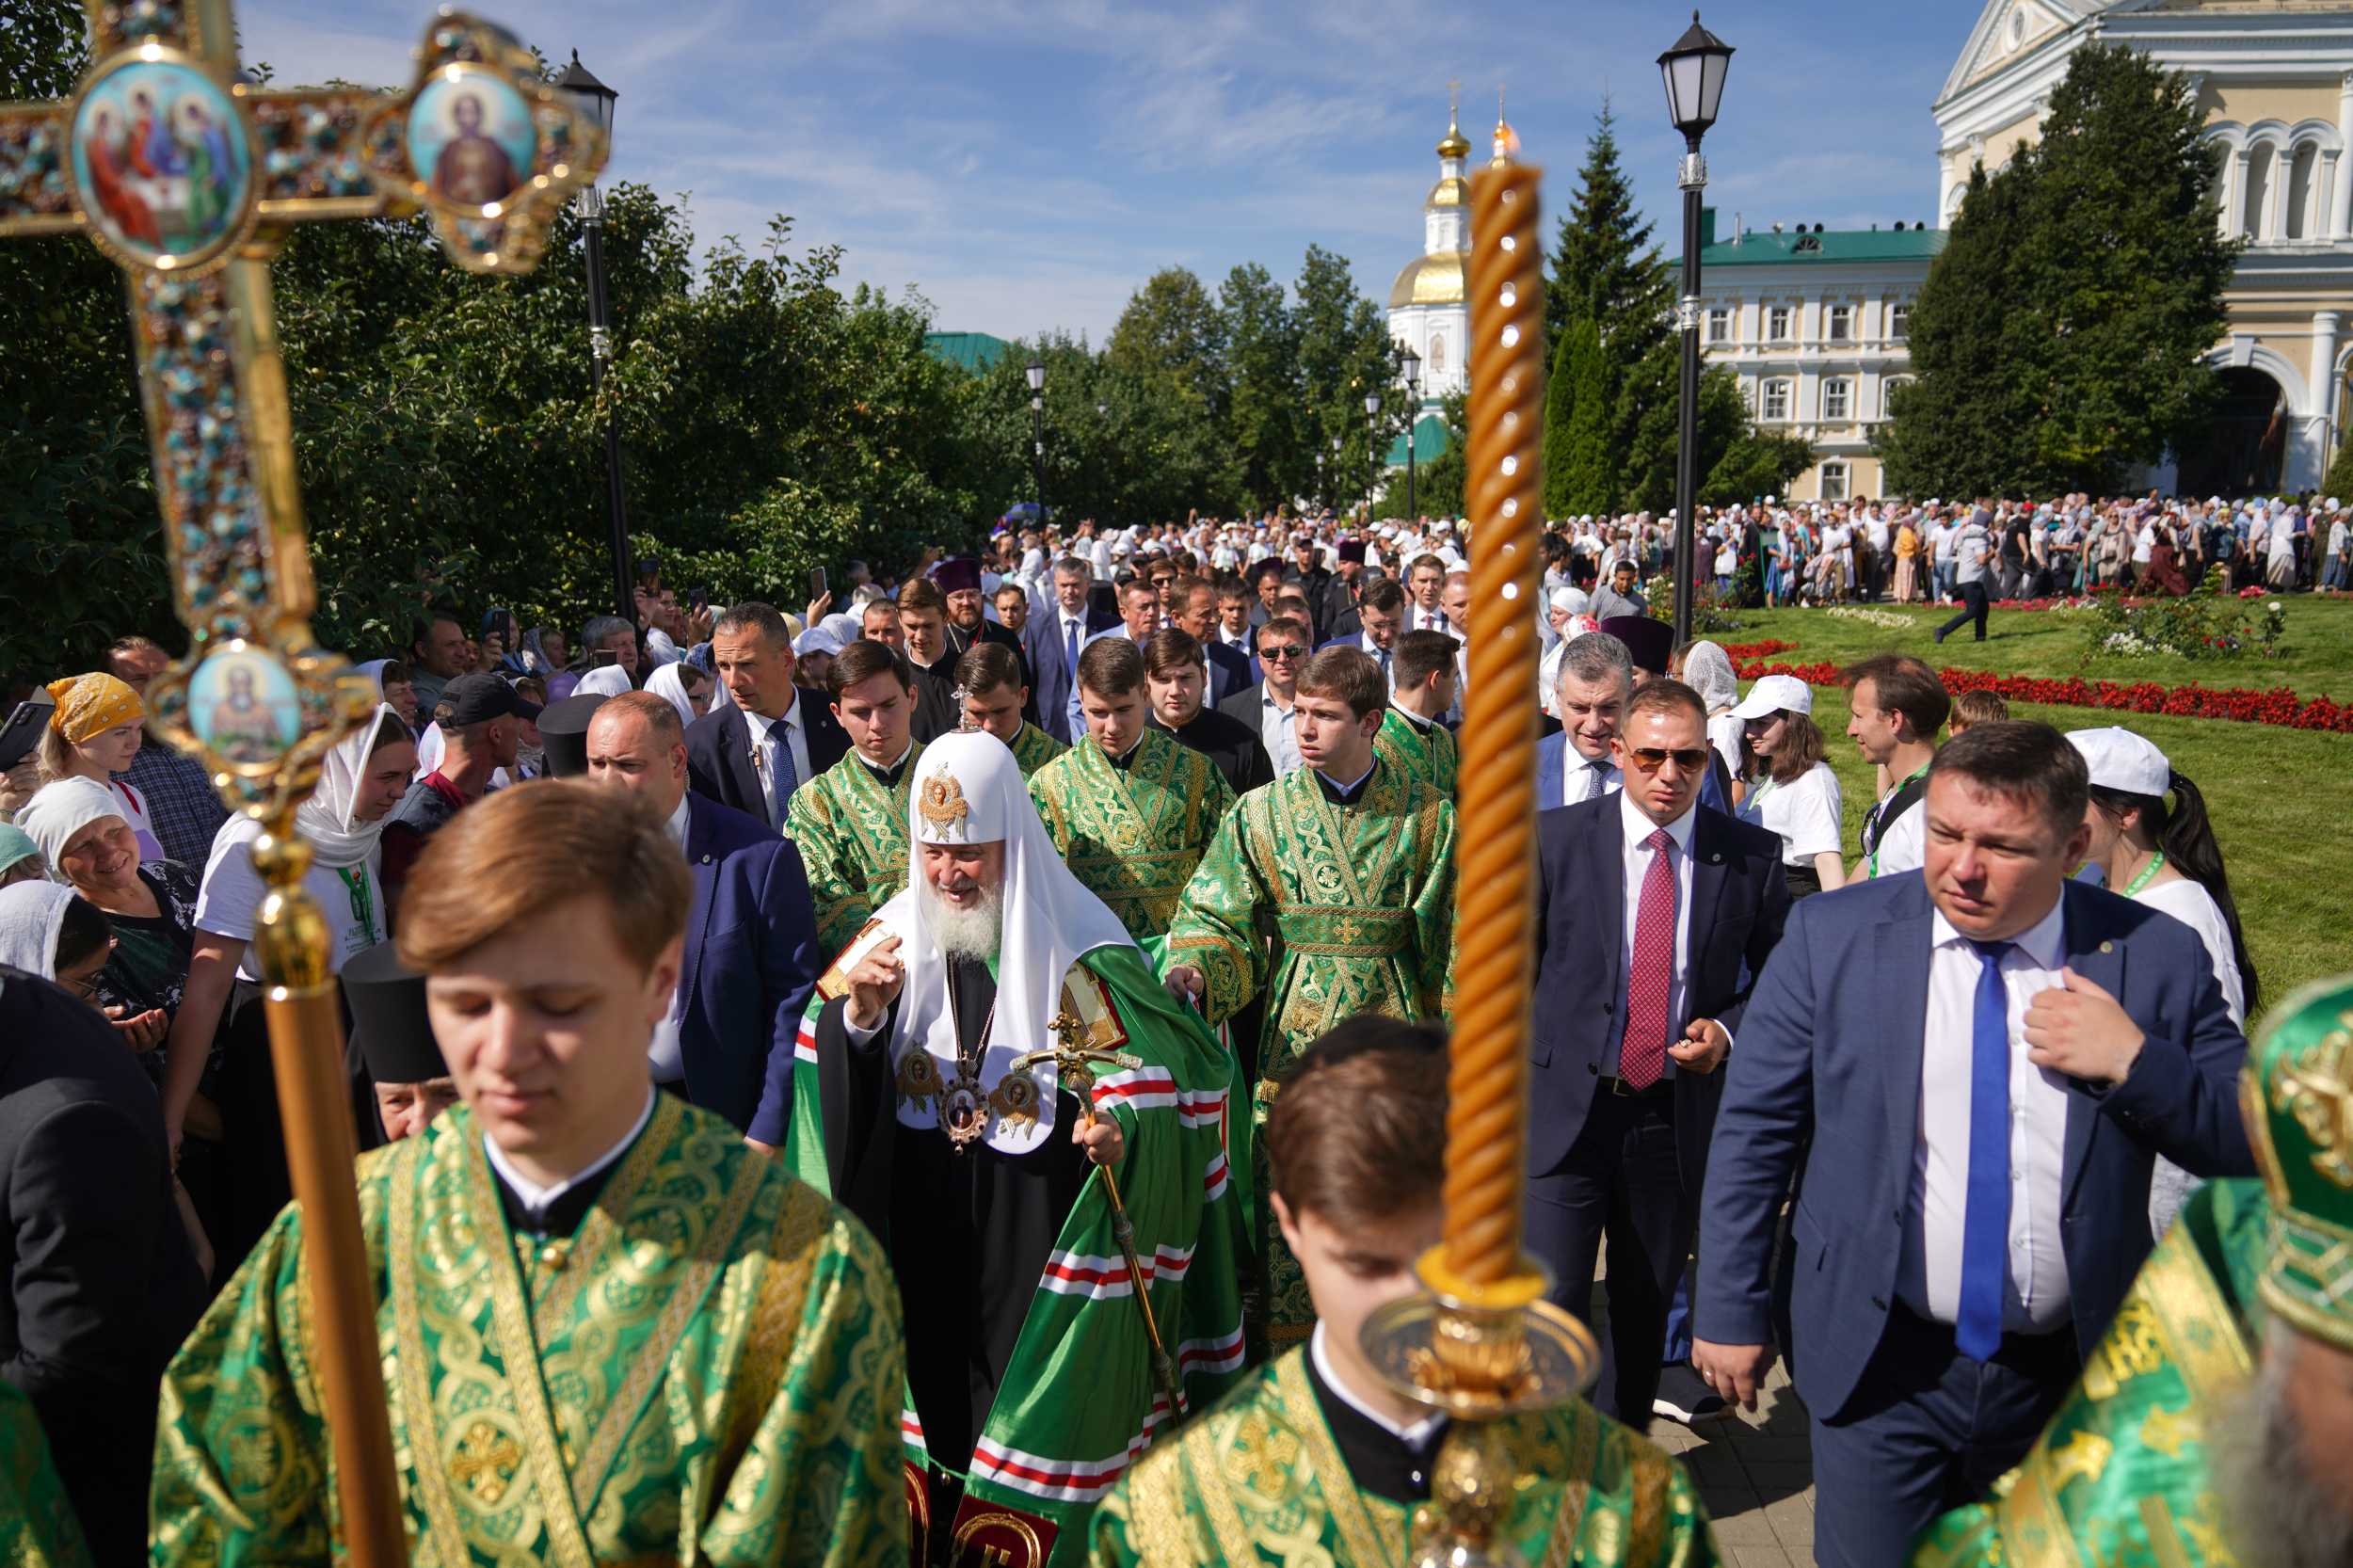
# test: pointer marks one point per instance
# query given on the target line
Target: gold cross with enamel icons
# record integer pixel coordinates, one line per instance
(188, 176)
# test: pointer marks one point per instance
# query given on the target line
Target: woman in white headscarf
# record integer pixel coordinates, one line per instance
(1707, 668)
(676, 683)
(217, 1036)
(605, 681)
(32, 933)
(1565, 617)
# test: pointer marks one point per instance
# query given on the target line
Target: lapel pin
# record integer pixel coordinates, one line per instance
(2107, 946)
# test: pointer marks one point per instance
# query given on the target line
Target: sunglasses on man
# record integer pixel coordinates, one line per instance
(1283, 651)
(1651, 759)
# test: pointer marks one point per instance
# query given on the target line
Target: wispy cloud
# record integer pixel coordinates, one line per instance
(1027, 164)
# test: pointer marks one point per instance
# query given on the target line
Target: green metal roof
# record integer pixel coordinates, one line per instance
(1795, 247)
(1429, 439)
(972, 351)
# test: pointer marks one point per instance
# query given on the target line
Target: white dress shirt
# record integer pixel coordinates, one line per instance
(1582, 780)
(535, 1198)
(1637, 857)
(663, 1053)
(796, 743)
(1278, 731)
(2038, 1299)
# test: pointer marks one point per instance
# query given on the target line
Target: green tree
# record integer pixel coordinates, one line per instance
(1579, 413)
(1262, 422)
(2340, 480)
(1345, 352)
(1173, 330)
(2085, 280)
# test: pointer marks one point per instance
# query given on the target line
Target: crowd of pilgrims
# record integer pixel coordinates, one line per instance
(707, 959)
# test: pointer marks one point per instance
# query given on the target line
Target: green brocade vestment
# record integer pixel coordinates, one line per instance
(1325, 911)
(706, 1373)
(1131, 836)
(2118, 1478)
(851, 834)
(1033, 749)
(1423, 751)
(1260, 1479)
(38, 1528)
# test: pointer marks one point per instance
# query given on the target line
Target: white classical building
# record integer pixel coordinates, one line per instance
(2275, 79)
(1815, 323)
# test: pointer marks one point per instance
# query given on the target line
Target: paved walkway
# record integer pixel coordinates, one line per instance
(1755, 1477)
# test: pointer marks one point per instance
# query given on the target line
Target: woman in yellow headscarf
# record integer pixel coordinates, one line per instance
(93, 734)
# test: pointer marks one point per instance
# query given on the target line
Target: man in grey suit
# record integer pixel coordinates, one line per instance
(1970, 1072)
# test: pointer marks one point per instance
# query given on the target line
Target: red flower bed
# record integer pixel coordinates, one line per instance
(2278, 706)
(1766, 650)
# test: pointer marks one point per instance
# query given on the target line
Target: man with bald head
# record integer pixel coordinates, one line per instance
(751, 955)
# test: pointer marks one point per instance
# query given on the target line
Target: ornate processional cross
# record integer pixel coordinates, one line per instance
(188, 176)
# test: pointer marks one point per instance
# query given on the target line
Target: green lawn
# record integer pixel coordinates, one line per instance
(2281, 799)
(2318, 661)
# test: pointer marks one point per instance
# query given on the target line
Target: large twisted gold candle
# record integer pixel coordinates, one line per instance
(1496, 846)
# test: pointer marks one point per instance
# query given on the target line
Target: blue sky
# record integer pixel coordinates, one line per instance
(1028, 163)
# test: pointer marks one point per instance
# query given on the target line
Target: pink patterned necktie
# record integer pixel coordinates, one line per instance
(1643, 1053)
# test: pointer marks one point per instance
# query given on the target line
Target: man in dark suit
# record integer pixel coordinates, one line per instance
(1192, 609)
(1976, 1066)
(750, 956)
(1267, 705)
(1053, 642)
(751, 753)
(1172, 677)
(1652, 914)
(1579, 761)
(1379, 616)
(1315, 580)
(101, 1284)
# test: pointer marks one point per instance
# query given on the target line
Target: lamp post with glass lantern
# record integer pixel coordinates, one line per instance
(1694, 74)
(1410, 368)
(595, 99)
(1036, 373)
(1332, 480)
(1372, 449)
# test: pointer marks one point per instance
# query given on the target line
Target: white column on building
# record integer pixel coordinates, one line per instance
(2282, 178)
(2325, 218)
(2321, 378)
(2340, 177)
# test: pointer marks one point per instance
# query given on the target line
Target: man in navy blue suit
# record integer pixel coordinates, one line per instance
(1652, 914)
(751, 955)
(1579, 761)
(1986, 1057)
(1052, 641)
(769, 737)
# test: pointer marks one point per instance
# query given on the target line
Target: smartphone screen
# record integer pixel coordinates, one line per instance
(606, 656)
(816, 582)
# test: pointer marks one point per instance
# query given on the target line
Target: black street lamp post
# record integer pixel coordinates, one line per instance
(1036, 373)
(594, 99)
(1411, 367)
(1334, 479)
(1694, 73)
(1372, 449)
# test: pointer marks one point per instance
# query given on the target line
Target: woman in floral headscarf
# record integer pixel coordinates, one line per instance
(93, 732)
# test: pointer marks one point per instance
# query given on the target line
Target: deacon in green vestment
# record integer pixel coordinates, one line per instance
(612, 1332)
(1033, 1379)
(990, 685)
(2210, 1426)
(850, 822)
(1315, 1460)
(1350, 865)
(1128, 807)
(1412, 738)
(37, 1526)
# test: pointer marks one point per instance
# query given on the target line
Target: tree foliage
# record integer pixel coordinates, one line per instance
(1612, 416)
(2061, 338)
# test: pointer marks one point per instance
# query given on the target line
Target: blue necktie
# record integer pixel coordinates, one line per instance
(1985, 1223)
(1070, 647)
(781, 768)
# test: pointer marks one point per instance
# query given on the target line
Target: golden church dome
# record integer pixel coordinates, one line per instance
(1435, 279)
(1454, 146)
(1452, 191)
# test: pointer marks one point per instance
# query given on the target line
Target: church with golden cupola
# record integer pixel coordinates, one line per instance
(1429, 305)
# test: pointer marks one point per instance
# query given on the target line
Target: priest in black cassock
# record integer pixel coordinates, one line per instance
(1178, 677)
(959, 580)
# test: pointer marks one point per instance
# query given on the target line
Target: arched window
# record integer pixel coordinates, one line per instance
(1437, 354)
(2255, 212)
(2303, 172)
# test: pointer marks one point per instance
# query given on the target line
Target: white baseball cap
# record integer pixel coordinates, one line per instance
(1775, 693)
(2120, 759)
